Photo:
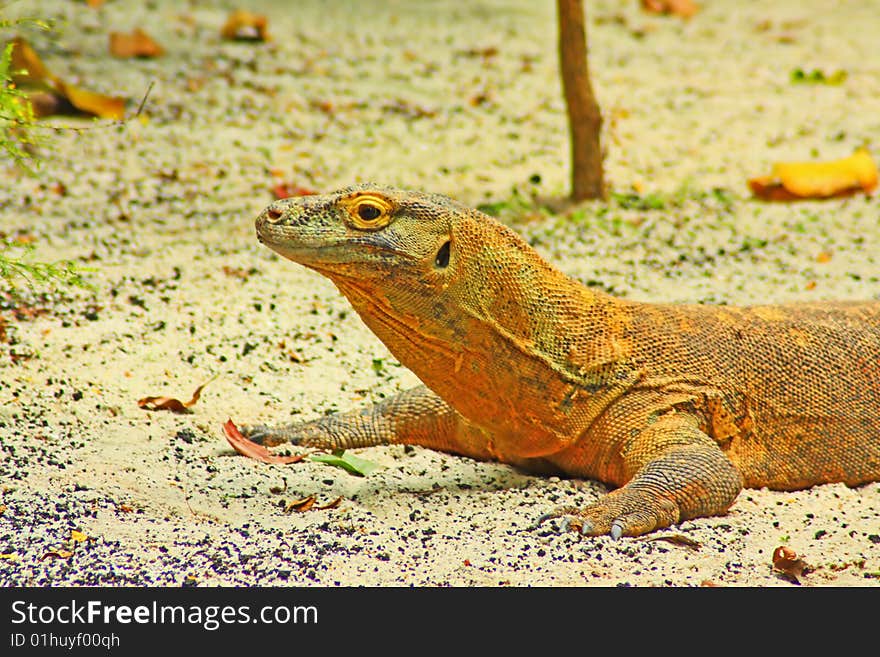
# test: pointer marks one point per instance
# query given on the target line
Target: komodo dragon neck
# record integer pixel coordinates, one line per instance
(488, 325)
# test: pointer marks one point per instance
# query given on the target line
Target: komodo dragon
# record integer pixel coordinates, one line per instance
(677, 406)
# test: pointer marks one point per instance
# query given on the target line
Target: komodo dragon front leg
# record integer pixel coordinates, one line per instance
(673, 472)
(413, 417)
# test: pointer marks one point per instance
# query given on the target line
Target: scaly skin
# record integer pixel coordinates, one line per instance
(677, 406)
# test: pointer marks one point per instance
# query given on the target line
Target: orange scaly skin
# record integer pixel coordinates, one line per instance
(678, 406)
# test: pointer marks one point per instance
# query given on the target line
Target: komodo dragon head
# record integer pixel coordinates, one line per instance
(449, 291)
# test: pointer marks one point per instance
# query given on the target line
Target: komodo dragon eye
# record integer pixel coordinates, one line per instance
(368, 211)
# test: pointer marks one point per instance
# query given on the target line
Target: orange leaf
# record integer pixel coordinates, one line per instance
(170, 403)
(136, 44)
(300, 506)
(252, 450)
(244, 26)
(786, 561)
(795, 180)
(682, 8)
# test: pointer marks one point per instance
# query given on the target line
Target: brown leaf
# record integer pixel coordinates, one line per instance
(171, 403)
(790, 181)
(242, 25)
(682, 8)
(58, 554)
(252, 450)
(136, 44)
(330, 505)
(786, 561)
(308, 504)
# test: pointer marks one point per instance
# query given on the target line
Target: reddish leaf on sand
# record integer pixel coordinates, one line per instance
(136, 44)
(683, 8)
(242, 25)
(791, 181)
(252, 450)
(286, 190)
(787, 562)
(171, 403)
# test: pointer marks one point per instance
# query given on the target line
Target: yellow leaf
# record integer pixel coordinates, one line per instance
(828, 178)
(793, 180)
(9, 556)
(106, 107)
(79, 537)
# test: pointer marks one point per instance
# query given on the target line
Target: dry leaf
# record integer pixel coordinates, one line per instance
(682, 8)
(136, 44)
(79, 537)
(58, 554)
(49, 94)
(171, 403)
(786, 561)
(330, 505)
(244, 26)
(252, 450)
(676, 539)
(89, 102)
(796, 180)
(308, 504)
(2, 509)
(300, 506)
(823, 257)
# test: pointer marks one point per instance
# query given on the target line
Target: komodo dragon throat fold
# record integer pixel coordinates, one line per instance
(676, 406)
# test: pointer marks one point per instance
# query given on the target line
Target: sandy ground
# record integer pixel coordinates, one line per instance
(462, 101)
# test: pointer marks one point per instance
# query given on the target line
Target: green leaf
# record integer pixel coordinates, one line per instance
(354, 464)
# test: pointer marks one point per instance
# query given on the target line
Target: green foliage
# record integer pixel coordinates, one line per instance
(63, 272)
(16, 140)
(799, 76)
(353, 464)
(16, 113)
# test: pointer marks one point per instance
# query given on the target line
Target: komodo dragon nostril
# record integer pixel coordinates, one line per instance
(273, 215)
